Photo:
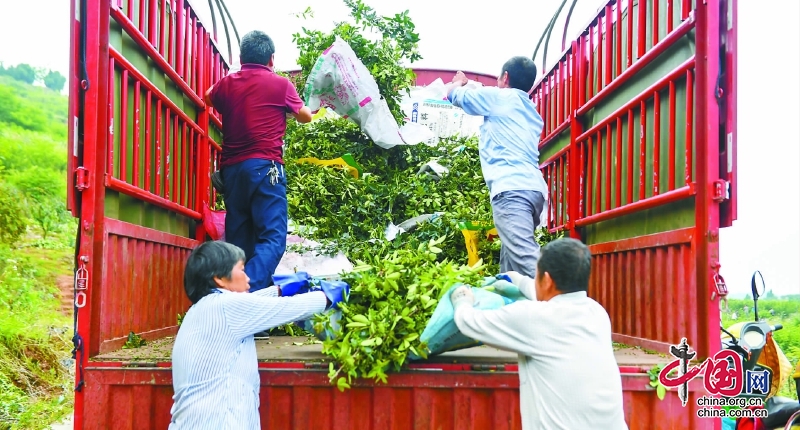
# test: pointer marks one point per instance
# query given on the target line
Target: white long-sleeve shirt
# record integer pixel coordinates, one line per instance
(568, 376)
(214, 363)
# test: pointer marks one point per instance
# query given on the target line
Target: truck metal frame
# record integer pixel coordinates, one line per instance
(639, 150)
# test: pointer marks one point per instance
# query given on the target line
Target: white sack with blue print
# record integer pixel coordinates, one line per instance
(340, 82)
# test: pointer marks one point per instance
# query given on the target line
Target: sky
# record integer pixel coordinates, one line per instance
(765, 237)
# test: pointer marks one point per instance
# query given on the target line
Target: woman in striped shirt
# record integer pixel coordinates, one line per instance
(214, 363)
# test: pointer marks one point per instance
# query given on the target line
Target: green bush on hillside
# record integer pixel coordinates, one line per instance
(33, 108)
(21, 149)
(46, 194)
(13, 221)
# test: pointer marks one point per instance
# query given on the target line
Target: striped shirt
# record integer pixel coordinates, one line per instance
(214, 364)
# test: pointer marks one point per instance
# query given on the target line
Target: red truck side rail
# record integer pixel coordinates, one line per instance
(639, 150)
(638, 166)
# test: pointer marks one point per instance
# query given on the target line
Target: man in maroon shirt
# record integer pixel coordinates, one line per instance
(254, 104)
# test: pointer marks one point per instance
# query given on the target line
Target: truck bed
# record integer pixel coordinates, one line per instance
(309, 350)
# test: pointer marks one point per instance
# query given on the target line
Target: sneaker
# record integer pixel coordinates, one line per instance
(261, 335)
(216, 181)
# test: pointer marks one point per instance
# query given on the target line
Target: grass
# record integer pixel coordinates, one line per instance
(35, 338)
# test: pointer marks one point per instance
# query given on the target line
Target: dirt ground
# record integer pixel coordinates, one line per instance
(65, 288)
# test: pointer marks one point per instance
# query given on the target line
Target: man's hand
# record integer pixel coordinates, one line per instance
(507, 289)
(460, 79)
(525, 285)
(462, 296)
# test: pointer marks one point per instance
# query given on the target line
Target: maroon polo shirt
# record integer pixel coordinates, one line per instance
(253, 103)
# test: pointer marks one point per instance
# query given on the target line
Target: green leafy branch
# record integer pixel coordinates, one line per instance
(391, 300)
(652, 373)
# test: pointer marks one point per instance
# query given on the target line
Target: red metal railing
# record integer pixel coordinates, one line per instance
(604, 142)
(656, 147)
(596, 59)
(556, 172)
(605, 39)
(170, 174)
(600, 56)
(169, 138)
(553, 98)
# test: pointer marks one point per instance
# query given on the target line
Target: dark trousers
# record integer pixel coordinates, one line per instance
(516, 217)
(256, 219)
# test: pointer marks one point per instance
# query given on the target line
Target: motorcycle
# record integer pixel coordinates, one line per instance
(759, 352)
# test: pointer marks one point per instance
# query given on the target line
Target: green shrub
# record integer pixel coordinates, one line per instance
(13, 221)
(46, 194)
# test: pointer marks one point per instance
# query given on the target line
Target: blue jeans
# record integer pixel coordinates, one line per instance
(516, 216)
(256, 219)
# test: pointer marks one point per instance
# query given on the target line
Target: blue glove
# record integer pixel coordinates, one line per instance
(504, 277)
(335, 291)
(293, 283)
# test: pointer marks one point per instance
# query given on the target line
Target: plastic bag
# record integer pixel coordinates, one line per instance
(214, 223)
(315, 264)
(429, 106)
(339, 81)
(442, 334)
(334, 316)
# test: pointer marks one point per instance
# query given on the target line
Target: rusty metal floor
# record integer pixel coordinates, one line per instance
(291, 349)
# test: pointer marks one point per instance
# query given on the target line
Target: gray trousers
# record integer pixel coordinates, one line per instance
(516, 216)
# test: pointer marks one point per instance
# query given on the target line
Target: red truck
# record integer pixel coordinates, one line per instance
(639, 151)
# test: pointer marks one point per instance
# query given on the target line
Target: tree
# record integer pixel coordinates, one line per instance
(44, 190)
(769, 295)
(54, 80)
(383, 57)
(22, 72)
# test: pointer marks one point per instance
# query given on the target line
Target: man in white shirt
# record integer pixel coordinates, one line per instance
(569, 378)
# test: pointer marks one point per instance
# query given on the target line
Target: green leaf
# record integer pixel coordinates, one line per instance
(661, 391)
(342, 384)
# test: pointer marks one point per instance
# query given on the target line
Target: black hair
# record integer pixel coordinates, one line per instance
(207, 261)
(569, 263)
(521, 73)
(256, 48)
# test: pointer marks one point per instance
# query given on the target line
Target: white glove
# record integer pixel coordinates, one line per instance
(526, 284)
(462, 296)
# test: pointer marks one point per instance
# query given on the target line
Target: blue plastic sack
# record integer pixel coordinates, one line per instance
(442, 334)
